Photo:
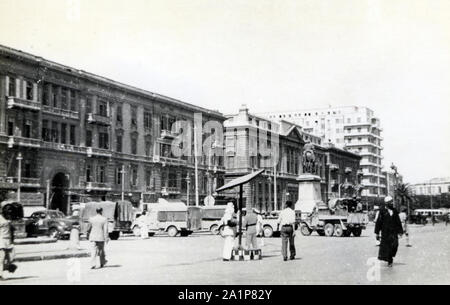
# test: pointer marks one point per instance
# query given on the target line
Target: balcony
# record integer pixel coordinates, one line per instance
(169, 161)
(334, 167)
(64, 147)
(98, 186)
(15, 102)
(166, 134)
(12, 182)
(93, 118)
(96, 152)
(170, 190)
(61, 112)
(24, 142)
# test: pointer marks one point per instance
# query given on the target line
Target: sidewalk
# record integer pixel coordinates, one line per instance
(49, 250)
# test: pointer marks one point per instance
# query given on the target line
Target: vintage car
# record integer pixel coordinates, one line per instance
(51, 223)
(173, 217)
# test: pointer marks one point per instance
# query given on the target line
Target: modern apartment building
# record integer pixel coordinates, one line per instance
(354, 128)
(435, 186)
(79, 135)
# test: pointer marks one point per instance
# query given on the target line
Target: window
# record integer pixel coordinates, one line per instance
(103, 140)
(12, 86)
(119, 114)
(147, 120)
(119, 175)
(349, 120)
(63, 133)
(119, 143)
(72, 135)
(45, 131)
(148, 177)
(103, 108)
(55, 97)
(88, 138)
(73, 101)
(133, 116)
(88, 173)
(359, 120)
(27, 129)
(134, 175)
(29, 91)
(46, 95)
(133, 146)
(148, 145)
(10, 128)
(55, 132)
(63, 98)
(101, 174)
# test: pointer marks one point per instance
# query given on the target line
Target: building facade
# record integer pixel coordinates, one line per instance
(354, 128)
(432, 187)
(79, 136)
(246, 133)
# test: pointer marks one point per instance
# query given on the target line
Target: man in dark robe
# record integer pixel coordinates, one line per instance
(390, 226)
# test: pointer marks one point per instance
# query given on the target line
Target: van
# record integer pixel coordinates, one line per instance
(170, 216)
(211, 218)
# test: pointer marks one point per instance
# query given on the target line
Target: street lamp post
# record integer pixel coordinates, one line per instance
(19, 175)
(188, 186)
(122, 178)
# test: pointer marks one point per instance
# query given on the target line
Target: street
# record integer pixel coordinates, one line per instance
(197, 260)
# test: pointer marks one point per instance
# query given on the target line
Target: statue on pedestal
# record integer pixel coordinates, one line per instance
(309, 159)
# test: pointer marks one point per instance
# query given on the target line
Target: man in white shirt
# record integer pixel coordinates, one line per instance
(286, 221)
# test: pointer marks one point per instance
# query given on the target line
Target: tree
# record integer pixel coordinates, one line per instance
(403, 195)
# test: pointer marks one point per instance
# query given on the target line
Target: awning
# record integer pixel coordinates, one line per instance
(239, 181)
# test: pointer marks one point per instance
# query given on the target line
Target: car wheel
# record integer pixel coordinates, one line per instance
(172, 231)
(137, 231)
(214, 229)
(305, 230)
(338, 231)
(268, 231)
(357, 232)
(329, 229)
(114, 235)
(54, 233)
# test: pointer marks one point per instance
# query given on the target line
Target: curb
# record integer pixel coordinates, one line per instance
(34, 242)
(50, 257)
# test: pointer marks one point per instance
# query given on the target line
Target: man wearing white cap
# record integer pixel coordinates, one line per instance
(389, 225)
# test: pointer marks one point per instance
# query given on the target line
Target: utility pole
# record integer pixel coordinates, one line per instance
(275, 205)
(122, 177)
(19, 175)
(47, 199)
(188, 186)
(196, 166)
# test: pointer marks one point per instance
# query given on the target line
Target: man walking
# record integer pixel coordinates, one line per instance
(251, 223)
(390, 226)
(286, 222)
(98, 236)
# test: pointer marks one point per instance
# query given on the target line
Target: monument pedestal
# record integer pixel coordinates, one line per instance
(308, 193)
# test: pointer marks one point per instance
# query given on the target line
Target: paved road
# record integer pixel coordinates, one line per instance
(196, 260)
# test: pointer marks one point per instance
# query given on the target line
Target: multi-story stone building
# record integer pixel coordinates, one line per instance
(82, 135)
(245, 134)
(352, 127)
(435, 186)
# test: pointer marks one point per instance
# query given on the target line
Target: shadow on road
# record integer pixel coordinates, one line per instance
(20, 278)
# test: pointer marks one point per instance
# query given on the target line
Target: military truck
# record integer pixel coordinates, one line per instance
(341, 217)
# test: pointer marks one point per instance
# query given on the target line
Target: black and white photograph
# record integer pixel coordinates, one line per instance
(224, 143)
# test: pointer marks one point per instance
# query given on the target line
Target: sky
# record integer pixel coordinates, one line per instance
(272, 55)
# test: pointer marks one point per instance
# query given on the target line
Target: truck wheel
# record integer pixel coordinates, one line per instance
(305, 230)
(329, 229)
(172, 231)
(137, 231)
(357, 232)
(338, 231)
(347, 233)
(321, 232)
(268, 231)
(214, 229)
(114, 235)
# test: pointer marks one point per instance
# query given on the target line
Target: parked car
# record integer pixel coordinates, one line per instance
(50, 223)
(211, 218)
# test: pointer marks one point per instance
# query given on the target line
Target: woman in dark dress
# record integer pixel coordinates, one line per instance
(390, 226)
